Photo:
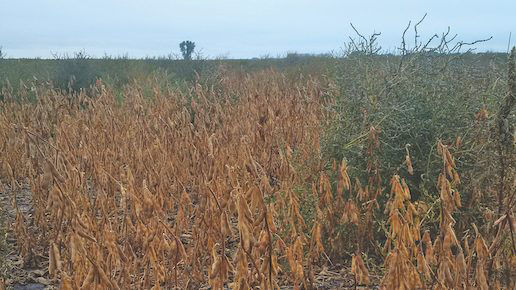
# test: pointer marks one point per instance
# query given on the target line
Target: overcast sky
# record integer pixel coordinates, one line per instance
(236, 28)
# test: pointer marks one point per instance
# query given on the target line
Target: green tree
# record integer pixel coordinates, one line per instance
(187, 47)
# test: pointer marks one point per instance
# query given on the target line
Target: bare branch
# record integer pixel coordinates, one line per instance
(429, 41)
(403, 44)
(358, 33)
(416, 35)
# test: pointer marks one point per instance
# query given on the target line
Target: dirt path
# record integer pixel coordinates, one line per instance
(18, 273)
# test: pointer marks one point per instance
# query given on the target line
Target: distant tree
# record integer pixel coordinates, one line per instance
(187, 47)
(2, 54)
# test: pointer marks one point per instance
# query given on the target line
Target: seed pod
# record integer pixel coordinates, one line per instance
(52, 265)
(66, 282)
(105, 279)
(57, 256)
(90, 277)
(408, 162)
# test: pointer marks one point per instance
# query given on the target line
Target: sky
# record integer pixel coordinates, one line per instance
(238, 29)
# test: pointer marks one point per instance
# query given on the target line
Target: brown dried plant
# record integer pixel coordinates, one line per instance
(183, 189)
(177, 191)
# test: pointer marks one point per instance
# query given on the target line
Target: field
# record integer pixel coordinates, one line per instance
(380, 171)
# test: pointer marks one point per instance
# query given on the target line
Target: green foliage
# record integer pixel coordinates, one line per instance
(187, 48)
(119, 71)
(75, 72)
(414, 99)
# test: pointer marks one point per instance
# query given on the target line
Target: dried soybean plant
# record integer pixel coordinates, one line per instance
(224, 185)
(176, 190)
(346, 210)
(415, 262)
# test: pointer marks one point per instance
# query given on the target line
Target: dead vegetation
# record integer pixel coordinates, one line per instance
(229, 188)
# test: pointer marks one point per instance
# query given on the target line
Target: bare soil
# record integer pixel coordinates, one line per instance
(19, 273)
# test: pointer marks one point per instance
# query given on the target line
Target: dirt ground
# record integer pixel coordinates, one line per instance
(19, 273)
